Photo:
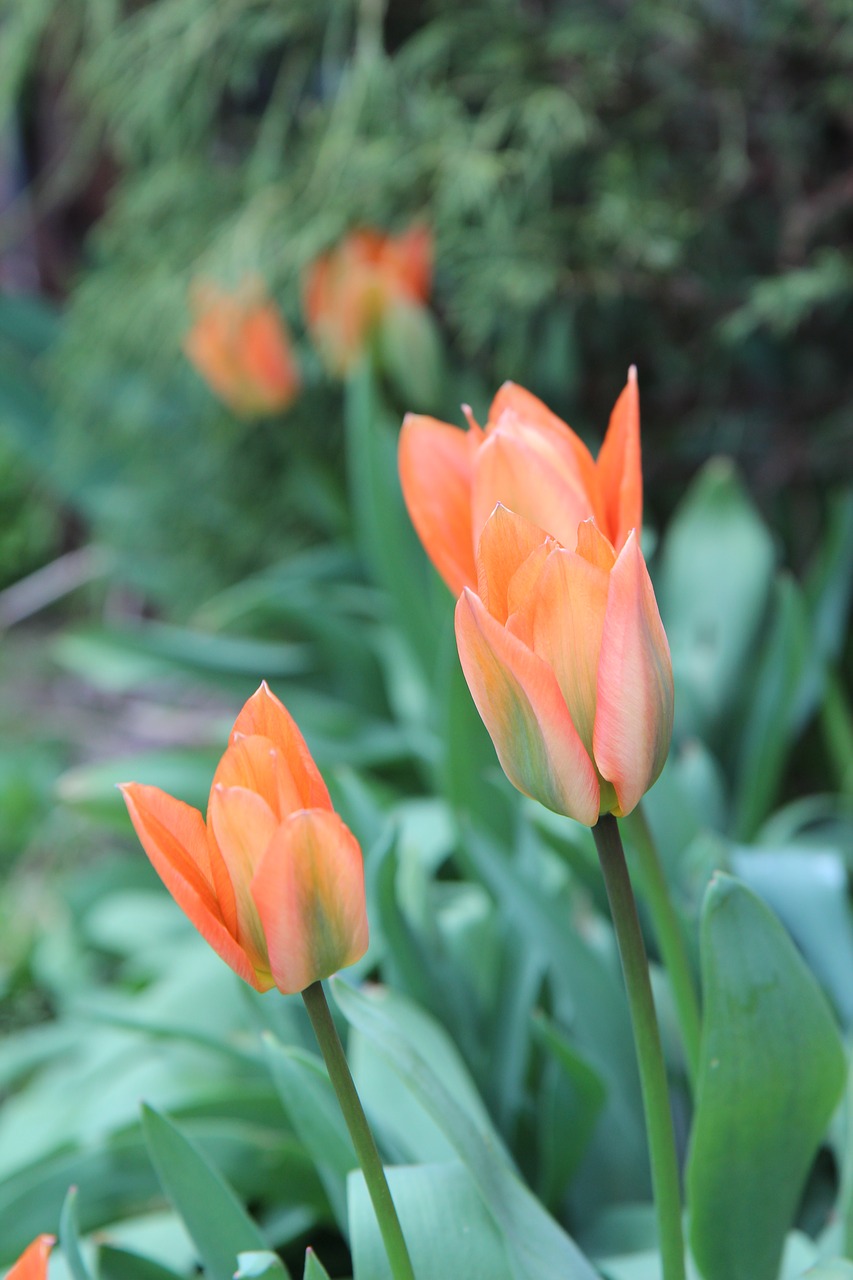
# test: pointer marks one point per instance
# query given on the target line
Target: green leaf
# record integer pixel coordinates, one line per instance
(259, 1265)
(536, 1245)
(771, 716)
(714, 578)
(314, 1269)
(69, 1239)
(569, 1112)
(309, 1100)
(214, 1217)
(447, 1228)
(772, 1072)
(121, 1264)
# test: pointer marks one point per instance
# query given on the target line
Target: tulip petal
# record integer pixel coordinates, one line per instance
(309, 892)
(619, 466)
(520, 703)
(529, 408)
(175, 839)
(264, 716)
(506, 543)
(243, 825)
(32, 1264)
(535, 474)
(633, 723)
(436, 466)
(568, 621)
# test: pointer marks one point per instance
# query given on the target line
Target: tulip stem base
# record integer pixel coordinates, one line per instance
(362, 1138)
(670, 938)
(635, 968)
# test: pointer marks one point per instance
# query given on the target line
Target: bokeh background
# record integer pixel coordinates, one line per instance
(660, 183)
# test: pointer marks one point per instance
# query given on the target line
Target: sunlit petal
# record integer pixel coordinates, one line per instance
(436, 467)
(619, 466)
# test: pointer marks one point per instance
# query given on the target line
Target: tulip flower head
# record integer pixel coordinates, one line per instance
(274, 880)
(240, 345)
(353, 288)
(567, 661)
(529, 460)
(32, 1264)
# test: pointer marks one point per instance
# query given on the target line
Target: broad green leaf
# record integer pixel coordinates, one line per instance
(309, 1100)
(771, 716)
(714, 577)
(259, 1265)
(69, 1239)
(447, 1228)
(214, 1217)
(569, 1110)
(807, 889)
(121, 1264)
(314, 1269)
(536, 1245)
(385, 534)
(772, 1072)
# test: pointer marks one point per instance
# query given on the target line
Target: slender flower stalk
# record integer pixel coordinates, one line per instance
(670, 936)
(635, 968)
(365, 1147)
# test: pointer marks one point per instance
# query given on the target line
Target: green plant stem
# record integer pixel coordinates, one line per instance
(670, 938)
(635, 968)
(362, 1138)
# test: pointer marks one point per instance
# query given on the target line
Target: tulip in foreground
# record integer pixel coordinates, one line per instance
(567, 660)
(528, 459)
(357, 285)
(274, 880)
(240, 345)
(32, 1264)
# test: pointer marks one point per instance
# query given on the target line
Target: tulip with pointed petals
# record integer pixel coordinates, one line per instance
(274, 880)
(240, 345)
(567, 661)
(527, 459)
(32, 1264)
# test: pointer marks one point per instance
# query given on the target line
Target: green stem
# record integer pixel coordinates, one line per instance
(670, 938)
(635, 969)
(365, 1147)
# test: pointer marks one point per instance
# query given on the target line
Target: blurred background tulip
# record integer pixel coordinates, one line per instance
(240, 345)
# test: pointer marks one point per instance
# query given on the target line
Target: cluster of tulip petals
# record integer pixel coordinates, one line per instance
(557, 625)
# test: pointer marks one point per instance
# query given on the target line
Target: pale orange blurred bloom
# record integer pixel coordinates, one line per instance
(352, 288)
(32, 1264)
(274, 880)
(240, 345)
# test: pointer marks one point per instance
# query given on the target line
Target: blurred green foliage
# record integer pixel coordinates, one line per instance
(663, 184)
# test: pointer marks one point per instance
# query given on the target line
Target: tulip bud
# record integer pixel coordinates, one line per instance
(274, 880)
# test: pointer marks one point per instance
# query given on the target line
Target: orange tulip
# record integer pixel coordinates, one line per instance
(527, 459)
(568, 663)
(274, 881)
(349, 290)
(32, 1264)
(240, 345)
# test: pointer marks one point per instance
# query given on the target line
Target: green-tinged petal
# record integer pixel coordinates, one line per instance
(633, 722)
(519, 700)
(309, 892)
